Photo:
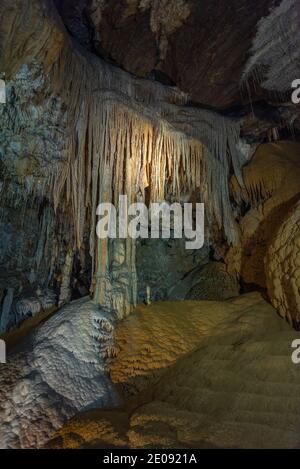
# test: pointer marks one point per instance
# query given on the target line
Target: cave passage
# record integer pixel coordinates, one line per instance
(150, 224)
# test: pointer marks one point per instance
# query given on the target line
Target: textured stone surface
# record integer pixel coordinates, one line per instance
(50, 127)
(208, 50)
(282, 267)
(211, 375)
(271, 188)
(166, 267)
(67, 104)
(213, 282)
(57, 371)
(31, 146)
(200, 46)
(273, 61)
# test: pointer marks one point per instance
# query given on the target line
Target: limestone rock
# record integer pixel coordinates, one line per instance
(182, 42)
(282, 267)
(56, 372)
(212, 375)
(271, 187)
(214, 283)
(166, 267)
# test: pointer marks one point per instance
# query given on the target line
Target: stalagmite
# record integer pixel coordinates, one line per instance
(126, 135)
(125, 151)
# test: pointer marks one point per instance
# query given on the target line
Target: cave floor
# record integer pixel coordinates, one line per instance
(197, 374)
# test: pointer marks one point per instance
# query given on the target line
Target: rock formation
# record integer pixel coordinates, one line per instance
(209, 380)
(116, 134)
(56, 372)
(282, 268)
(271, 188)
(175, 102)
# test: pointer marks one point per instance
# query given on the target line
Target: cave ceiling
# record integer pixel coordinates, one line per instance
(200, 46)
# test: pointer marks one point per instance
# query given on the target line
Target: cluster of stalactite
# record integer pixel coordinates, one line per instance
(126, 136)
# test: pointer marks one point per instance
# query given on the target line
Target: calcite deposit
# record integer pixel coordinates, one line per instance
(282, 268)
(198, 375)
(141, 341)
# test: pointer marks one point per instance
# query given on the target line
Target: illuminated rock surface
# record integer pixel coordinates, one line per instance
(181, 101)
(271, 190)
(56, 372)
(282, 265)
(198, 374)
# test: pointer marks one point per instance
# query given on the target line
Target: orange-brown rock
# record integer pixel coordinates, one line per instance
(198, 374)
(271, 188)
(282, 267)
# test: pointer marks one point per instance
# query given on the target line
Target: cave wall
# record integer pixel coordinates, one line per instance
(78, 129)
(69, 119)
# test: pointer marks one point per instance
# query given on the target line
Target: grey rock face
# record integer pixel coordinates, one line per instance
(213, 282)
(162, 266)
(31, 144)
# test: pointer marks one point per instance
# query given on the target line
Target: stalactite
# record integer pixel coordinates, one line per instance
(125, 138)
(126, 134)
